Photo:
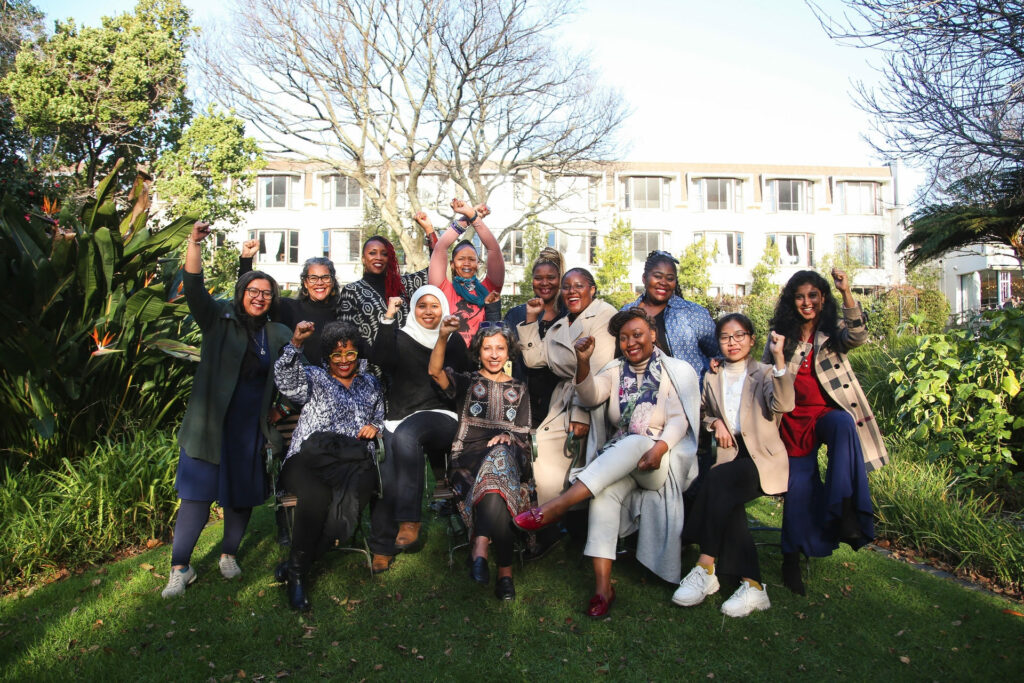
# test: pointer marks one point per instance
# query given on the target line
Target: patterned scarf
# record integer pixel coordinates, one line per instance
(638, 396)
(470, 289)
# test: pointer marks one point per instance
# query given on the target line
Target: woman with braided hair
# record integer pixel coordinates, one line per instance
(364, 302)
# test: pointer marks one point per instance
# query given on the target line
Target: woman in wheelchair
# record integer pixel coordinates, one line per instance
(489, 467)
(329, 464)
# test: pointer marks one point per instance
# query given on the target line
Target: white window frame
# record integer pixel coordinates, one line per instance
(858, 208)
(355, 245)
(658, 235)
(720, 257)
(630, 186)
(804, 203)
(263, 197)
(512, 247)
(778, 238)
(733, 194)
(289, 247)
(329, 191)
(842, 243)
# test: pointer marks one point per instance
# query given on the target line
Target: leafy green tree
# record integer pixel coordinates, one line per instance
(614, 257)
(694, 274)
(533, 242)
(982, 209)
(759, 305)
(20, 22)
(210, 170)
(98, 94)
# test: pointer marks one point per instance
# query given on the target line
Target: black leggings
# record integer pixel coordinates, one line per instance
(491, 518)
(718, 521)
(192, 517)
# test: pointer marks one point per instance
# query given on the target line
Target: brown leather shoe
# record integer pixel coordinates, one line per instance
(382, 563)
(408, 534)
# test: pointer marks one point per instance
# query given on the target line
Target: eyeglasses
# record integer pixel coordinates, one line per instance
(315, 279)
(258, 293)
(343, 356)
(738, 336)
(577, 287)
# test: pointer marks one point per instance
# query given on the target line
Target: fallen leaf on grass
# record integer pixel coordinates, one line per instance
(152, 543)
(283, 673)
(147, 566)
(378, 667)
(1013, 612)
(905, 659)
(97, 623)
(169, 634)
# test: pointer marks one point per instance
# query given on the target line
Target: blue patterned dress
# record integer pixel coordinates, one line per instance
(487, 409)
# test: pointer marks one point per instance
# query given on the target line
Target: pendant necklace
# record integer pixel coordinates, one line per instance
(261, 341)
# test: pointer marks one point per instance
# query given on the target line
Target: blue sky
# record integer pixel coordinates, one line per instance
(739, 81)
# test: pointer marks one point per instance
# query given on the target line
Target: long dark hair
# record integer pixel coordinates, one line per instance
(318, 261)
(244, 281)
(393, 285)
(787, 321)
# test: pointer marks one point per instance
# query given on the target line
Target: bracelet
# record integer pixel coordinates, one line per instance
(454, 225)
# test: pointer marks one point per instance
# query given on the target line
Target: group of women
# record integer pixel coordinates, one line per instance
(565, 405)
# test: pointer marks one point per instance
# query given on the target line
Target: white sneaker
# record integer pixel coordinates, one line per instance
(745, 600)
(694, 587)
(180, 578)
(229, 568)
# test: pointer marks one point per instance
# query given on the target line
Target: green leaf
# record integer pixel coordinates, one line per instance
(1010, 384)
(177, 349)
(105, 246)
(144, 306)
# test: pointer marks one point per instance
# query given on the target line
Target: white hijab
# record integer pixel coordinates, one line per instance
(421, 335)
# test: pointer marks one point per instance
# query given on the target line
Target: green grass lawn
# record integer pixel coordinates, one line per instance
(865, 617)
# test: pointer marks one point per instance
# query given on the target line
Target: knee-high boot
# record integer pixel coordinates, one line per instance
(298, 568)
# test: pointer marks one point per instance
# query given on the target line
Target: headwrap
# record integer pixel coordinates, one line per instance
(422, 335)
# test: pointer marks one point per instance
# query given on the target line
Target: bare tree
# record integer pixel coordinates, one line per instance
(953, 96)
(386, 90)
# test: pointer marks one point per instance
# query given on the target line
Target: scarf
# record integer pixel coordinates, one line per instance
(421, 335)
(470, 289)
(638, 396)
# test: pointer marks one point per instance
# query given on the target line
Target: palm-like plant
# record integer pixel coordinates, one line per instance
(984, 209)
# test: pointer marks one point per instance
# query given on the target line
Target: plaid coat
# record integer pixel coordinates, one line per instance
(832, 368)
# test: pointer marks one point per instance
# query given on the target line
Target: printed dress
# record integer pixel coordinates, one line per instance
(487, 409)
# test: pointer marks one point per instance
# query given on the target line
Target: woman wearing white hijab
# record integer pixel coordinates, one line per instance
(420, 420)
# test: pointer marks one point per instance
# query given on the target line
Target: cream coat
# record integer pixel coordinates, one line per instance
(764, 399)
(555, 351)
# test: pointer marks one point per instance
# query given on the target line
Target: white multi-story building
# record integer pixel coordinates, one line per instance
(981, 279)
(738, 209)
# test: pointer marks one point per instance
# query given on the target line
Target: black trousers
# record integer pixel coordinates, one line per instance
(402, 473)
(492, 519)
(718, 520)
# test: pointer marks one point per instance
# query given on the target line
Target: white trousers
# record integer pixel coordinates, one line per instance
(611, 477)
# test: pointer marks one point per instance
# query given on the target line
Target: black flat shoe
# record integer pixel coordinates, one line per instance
(504, 589)
(479, 571)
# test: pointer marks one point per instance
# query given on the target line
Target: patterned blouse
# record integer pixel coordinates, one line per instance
(330, 406)
(363, 306)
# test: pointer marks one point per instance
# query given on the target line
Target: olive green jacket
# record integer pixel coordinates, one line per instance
(220, 360)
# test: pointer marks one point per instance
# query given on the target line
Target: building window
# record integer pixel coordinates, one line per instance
(791, 195)
(726, 248)
(277, 246)
(592, 193)
(274, 191)
(341, 192)
(573, 192)
(644, 242)
(342, 246)
(559, 240)
(727, 290)
(794, 249)
(643, 192)
(722, 194)
(512, 247)
(592, 247)
(859, 199)
(863, 249)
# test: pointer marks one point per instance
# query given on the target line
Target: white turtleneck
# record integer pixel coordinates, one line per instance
(734, 374)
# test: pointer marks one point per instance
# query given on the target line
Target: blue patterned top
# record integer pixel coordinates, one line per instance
(330, 406)
(691, 333)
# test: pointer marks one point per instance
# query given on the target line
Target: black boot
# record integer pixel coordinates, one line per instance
(298, 567)
(281, 517)
(849, 526)
(791, 575)
(281, 571)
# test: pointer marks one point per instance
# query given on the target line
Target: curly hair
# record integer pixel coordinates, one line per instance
(619, 320)
(393, 285)
(275, 296)
(337, 332)
(658, 257)
(489, 331)
(787, 320)
(318, 261)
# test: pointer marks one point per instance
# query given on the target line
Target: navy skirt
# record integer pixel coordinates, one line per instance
(240, 480)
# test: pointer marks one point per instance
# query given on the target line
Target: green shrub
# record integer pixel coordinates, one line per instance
(121, 494)
(963, 394)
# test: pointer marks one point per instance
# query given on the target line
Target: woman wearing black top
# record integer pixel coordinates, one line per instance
(317, 301)
(420, 420)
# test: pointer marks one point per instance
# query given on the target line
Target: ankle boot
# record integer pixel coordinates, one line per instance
(281, 571)
(298, 566)
(791, 575)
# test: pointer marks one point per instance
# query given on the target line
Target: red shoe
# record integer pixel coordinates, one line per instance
(599, 605)
(531, 520)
